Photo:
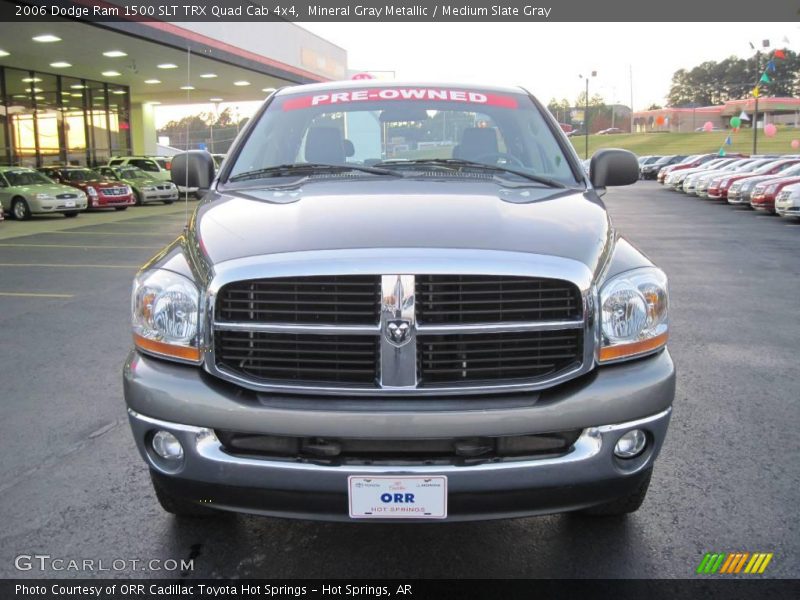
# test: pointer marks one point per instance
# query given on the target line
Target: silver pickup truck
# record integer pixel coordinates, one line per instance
(400, 302)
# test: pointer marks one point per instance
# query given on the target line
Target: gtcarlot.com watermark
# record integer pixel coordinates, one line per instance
(48, 563)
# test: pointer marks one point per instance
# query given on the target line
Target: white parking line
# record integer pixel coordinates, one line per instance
(57, 266)
(79, 246)
(35, 295)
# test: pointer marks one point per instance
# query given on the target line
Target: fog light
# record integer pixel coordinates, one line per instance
(631, 444)
(167, 446)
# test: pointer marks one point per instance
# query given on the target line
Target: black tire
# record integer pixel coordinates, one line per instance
(70, 215)
(138, 197)
(168, 202)
(178, 506)
(20, 209)
(120, 208)
(622, 506)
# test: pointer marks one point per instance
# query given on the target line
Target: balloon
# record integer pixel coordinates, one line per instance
(659, 120)
(795, 144)
(708, 126)
(736, 122)
(770, 130)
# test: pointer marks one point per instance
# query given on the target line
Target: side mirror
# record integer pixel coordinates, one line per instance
(194, 169)
(613, 167)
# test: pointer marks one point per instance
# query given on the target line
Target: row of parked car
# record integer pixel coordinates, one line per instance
(125, 181)
(768, 183)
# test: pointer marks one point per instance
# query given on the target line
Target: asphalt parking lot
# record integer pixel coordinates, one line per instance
(73, 485)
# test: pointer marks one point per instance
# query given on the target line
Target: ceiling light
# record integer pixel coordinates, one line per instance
(241, 83)
(46, 38)
(19, 96)
(77, 86)
(152, 81)
(187, 87)
(154, 103)
(4, 53)
(114, 54)
(34, 90)
(215, 99)
(111, 73)
(60, 64)
(167, 66)
(208, 75)
(75, 95)
(39, 97)
(118, 92)
(268, 90)
(31, 80)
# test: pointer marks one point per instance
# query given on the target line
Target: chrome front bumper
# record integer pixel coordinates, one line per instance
(589, 474)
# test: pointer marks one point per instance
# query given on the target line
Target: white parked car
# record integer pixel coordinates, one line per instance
(787, 202)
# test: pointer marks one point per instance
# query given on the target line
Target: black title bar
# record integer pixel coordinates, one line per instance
(534, 11)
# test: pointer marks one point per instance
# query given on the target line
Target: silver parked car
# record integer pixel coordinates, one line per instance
(787, 202)
(354, 329)
(26, 192)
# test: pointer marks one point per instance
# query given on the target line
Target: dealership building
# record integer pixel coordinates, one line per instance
(74, 92)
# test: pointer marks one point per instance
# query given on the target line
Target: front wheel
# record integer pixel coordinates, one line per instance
(21, 210)
(622, 506)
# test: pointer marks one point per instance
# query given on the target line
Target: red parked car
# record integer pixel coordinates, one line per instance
(718, 188)
(101, 192)
(764, 194)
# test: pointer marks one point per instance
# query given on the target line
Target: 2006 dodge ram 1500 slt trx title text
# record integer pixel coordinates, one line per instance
(400, 302)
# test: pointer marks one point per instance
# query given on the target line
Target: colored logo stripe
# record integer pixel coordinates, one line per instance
(733, 563)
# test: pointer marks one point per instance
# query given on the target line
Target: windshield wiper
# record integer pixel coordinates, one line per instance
(306, 168)
(459, 162)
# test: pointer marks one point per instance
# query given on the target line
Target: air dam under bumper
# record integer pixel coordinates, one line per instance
(159, 394)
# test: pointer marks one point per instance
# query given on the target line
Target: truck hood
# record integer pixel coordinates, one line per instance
(333, 215)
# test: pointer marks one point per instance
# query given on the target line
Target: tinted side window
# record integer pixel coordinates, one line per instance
(145, 165)
(116, 161)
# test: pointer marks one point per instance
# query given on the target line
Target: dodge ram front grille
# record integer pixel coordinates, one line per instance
(485, 357)
(331, 300)
(486, 299)
(333, 359)
(399, 334)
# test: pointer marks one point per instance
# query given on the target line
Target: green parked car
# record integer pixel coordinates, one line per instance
(25, 192)
(145, 187)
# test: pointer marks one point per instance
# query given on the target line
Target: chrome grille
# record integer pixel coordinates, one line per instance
(487, 299)
(333, 359)
(330, 300)
(117, 191)
(484, 357)
(399, 334)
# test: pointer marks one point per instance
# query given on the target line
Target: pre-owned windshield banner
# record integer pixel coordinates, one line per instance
(402, 10)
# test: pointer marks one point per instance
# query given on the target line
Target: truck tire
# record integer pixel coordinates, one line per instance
(622, 506)
(178, 506)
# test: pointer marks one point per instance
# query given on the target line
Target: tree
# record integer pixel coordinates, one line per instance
(560, 109)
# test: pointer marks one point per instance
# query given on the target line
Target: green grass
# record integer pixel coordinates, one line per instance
(643, 144)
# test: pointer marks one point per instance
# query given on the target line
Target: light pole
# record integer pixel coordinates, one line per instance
(586, 115)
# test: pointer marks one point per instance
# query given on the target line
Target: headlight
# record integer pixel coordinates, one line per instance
(128, 189)
(45, 197)
(91, 191)
(165, 312)
(149, 189)
(634, 314)
(724, 182)
(770, 189)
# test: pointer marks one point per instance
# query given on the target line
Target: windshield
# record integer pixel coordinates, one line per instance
(133, 173)
(403, 130)
(82, 175)
(16, 178)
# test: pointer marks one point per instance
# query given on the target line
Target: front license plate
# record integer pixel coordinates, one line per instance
(385, 497)
(69, 203)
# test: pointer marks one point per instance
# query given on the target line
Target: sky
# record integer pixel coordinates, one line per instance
(545, 58)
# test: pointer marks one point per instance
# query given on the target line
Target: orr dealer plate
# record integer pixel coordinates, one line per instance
(397, 497)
